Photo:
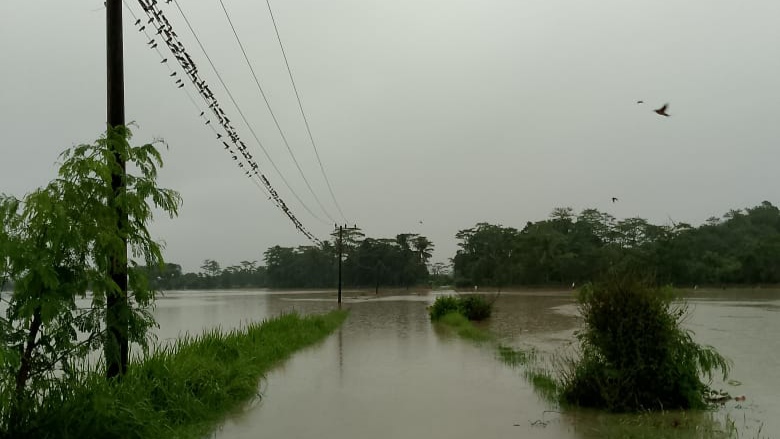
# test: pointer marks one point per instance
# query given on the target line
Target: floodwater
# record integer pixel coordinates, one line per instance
(389, 373)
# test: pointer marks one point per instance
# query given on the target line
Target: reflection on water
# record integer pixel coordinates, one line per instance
(388, 374)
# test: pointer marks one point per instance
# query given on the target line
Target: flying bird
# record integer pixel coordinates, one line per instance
(614, 199)
(640, 102)
(662, 110)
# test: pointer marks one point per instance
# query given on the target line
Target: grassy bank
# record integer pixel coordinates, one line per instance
(180, 391)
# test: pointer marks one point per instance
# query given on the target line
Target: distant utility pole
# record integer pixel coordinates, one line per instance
(116, 346)
(341, 250)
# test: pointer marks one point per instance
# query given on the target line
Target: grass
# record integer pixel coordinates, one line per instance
(179, 391)
(676, 424)
(463, 327)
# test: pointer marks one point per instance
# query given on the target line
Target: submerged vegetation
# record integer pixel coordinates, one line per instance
(463, 327)
(634, 353)
(179, 391)
(471, 307)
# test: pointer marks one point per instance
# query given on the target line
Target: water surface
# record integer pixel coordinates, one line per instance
(389, 373)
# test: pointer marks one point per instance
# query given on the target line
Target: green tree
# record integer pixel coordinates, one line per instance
(55, 245)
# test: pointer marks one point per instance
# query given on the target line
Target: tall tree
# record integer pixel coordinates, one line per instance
(55, 247)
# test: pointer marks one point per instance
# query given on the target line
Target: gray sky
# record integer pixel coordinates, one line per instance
(448, 112)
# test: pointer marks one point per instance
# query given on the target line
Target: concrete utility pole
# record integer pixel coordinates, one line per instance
(117, 312)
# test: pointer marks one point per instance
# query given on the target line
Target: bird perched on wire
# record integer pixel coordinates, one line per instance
(662, 111)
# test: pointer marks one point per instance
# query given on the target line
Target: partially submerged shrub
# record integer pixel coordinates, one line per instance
(475, 307)
(443, 306)
(634, 353)
(471, 307)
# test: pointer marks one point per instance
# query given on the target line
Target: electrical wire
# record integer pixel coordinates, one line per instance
(303, 113)
(273, 116)
(166, 32)
(244, 118)
(153, 44)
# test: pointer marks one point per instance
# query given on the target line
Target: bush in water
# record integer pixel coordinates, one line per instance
(443, 306)
(475, 307)
(634, 353)
(471, 307)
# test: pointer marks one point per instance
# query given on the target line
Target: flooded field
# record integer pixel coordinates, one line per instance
(388, 373)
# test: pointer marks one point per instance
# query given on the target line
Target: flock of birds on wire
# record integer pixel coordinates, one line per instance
(236, 148)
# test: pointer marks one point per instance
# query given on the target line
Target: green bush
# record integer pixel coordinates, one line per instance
(634, 353)
(475, 307)
(443, 306)
(471, 307)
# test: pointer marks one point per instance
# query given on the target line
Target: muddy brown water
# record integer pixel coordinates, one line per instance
(389, 373)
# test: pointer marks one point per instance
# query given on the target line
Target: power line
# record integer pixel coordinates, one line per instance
(273, 116)
(243, 117)
(303, 114)
(165, 31)
(153, 45)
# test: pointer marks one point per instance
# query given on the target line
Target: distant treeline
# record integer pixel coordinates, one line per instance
(742, 247)
(367, 263)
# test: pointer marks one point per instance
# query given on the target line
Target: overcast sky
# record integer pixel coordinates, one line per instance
(448, 112)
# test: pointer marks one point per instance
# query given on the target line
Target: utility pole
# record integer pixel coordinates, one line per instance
(341, 228)
(116, 346)
(341, 247)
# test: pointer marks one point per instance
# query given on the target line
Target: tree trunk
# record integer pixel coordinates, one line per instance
(25, 368)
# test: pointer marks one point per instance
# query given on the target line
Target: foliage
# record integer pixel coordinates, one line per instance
(463, 327)
(741, 248)
(368, 262)
(475, 307)
(634, 353)
(179, 391)
(442, 306)
(472, 307)
(54, 246)
(247, 274)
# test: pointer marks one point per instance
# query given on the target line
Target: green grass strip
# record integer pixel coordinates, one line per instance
(463, 327)
(184, 390)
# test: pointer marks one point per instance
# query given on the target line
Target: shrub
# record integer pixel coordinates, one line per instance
(443, 306)
(471, 307)
(475, 307)
(634, 353)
